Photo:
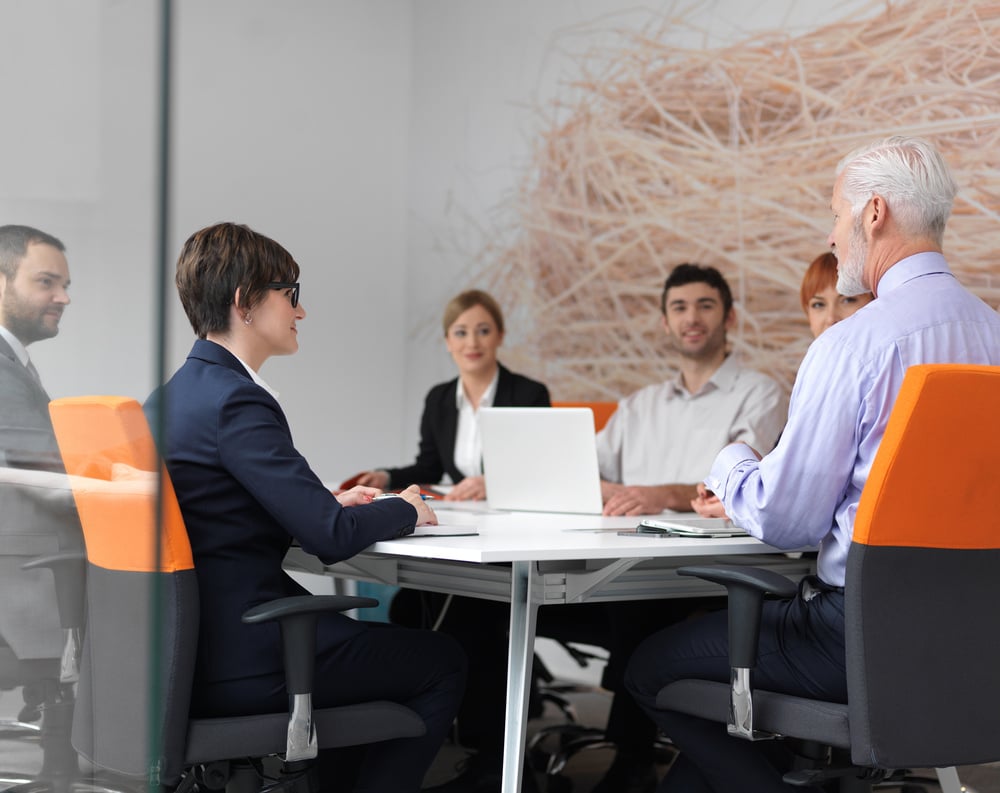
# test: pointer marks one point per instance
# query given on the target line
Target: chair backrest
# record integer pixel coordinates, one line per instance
(923, 578)
(142, 596)
(602, 411)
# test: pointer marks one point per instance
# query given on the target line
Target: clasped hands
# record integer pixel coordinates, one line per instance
(363, 494)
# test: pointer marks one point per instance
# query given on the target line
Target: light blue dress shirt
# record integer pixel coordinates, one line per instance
(806, 492)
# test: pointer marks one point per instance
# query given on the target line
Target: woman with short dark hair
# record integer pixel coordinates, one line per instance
(246, 494)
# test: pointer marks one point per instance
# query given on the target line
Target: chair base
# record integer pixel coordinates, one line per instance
(251, 776)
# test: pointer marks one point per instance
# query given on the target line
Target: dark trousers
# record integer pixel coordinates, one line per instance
(801, 653)
(481, 627)
(629, 624)
(423, 670)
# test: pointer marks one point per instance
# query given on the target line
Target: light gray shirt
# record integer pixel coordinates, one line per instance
(663, 434)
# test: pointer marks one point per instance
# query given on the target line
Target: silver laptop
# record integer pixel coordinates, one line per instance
(540, 459)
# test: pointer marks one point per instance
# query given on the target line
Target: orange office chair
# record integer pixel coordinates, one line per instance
(921, 601)
(132, 715)
(602, 411)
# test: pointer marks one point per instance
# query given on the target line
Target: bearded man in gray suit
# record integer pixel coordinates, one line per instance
(37, 515)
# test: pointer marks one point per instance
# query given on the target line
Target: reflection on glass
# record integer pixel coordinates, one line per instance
(41, 548)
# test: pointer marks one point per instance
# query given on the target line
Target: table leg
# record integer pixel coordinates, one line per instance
(520, 655)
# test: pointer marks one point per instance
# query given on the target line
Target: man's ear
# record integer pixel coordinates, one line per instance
(731, 318)
(877, 215)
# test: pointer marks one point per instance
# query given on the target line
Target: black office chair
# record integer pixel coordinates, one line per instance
(921, 603)
(551, 747)
(132, 714)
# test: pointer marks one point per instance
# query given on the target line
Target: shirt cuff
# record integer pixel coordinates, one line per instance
(732, 459)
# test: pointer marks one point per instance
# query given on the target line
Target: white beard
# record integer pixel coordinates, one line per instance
(850, 270)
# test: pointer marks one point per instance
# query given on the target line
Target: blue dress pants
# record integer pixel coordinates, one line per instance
(801, 653)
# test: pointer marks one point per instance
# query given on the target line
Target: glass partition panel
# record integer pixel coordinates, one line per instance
(81, 230)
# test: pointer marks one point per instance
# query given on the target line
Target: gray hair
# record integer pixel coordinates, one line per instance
(910, 174)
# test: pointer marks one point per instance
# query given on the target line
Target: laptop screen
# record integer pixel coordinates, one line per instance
(540, 459)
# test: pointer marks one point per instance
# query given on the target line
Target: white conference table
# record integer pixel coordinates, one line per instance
(530, 559)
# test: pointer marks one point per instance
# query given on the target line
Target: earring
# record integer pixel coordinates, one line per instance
(247, 319)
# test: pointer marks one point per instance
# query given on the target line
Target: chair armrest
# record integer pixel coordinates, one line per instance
(297, 617)
(305, 604)
(69, 569)
(747, 587)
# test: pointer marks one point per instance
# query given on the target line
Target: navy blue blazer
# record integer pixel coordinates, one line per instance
(245, 494)
(439, 426)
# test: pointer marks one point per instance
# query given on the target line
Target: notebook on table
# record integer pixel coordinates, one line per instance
(690, 527)
(540, 459)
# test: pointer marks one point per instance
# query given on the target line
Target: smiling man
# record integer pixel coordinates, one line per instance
(659, 442)
(34, 278)
(662, 439)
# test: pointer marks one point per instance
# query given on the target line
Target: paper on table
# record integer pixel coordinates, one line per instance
(464, 506)
(443, 530)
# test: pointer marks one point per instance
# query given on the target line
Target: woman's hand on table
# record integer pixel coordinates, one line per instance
(425, 515)
(378, 479)
(357, 495)
(472, 488)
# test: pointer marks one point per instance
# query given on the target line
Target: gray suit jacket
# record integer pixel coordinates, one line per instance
(26, 437)
(37, 514)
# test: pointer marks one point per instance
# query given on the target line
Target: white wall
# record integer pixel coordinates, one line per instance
(77, 147)
(293, 118)
(375, 140)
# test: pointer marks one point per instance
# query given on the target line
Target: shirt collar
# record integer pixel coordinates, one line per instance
(723, 378)
(15, 345)
(912, 267)
(257, 378)
(486, 400)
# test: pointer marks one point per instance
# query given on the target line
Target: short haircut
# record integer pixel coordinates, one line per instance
(820, 274)
(463, 301)
(910, 174)
(217, 260)
(14, 242)
(695, 273)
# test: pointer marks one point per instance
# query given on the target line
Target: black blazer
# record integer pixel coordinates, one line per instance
(439, 426)
(245, 492)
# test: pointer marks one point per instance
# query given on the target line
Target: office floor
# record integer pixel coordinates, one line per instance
(582, 772)
(586, 768)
